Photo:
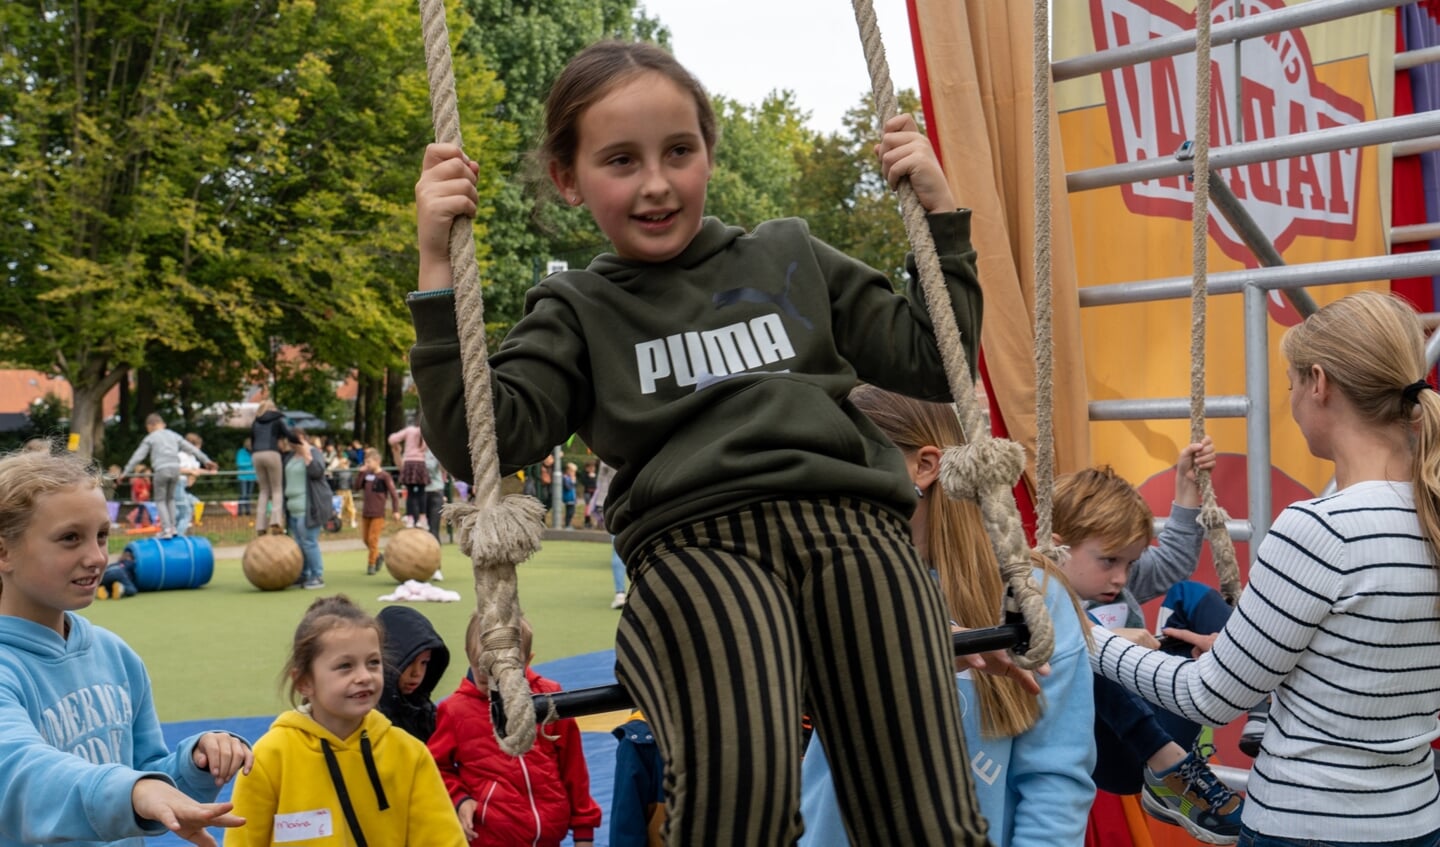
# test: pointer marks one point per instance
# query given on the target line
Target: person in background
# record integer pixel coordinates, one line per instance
(434, 499)
(164, 446)
(266, 433)
(409, 448)
(342, 481)
(245, 476)
(637, 804)
(308, 506)
(589, 478)
(568, 496)
(377, 488)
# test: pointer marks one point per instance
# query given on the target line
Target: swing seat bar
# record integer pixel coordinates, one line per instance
(612, 698)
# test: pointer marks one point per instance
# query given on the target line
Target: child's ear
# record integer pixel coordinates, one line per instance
(927, 466)
(565, 183)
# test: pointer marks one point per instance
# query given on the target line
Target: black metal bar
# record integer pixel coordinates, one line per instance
(613, 698)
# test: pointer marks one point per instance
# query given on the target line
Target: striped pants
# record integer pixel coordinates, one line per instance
(737, 623)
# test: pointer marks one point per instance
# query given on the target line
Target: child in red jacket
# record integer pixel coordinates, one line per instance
(536, 798)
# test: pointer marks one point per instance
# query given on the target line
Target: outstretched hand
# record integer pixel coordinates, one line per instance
(157, 800)
(905, 152)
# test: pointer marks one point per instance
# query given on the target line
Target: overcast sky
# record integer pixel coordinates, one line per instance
(744, 49)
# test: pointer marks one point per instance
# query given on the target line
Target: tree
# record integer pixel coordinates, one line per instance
(758, 160)
(844, 197)
(185, 180)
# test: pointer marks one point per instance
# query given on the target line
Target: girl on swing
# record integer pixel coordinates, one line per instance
(763, 519)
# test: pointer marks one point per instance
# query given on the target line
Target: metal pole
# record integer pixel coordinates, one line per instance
(1404, 128)
(1225, 201)
(1412, 233)
(1415, 146)
(1257, 422)
(1363, 269)
(1415, 58)
(557, 490)
(1252, 26)
(1166, 408)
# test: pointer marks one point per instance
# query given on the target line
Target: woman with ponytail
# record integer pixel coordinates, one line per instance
(1341, 617)
(1032, 765)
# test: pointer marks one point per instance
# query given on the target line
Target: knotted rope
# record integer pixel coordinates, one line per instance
(1212, 517)
(496, 534)
(985, 469)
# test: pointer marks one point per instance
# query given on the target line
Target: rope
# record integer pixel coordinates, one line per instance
(1044, 296)
(496, 534)
(1212, 517)
(985, 469)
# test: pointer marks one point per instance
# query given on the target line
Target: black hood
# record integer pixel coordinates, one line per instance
(407, 634)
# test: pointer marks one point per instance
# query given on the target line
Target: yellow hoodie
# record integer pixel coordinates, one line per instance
(291, 797)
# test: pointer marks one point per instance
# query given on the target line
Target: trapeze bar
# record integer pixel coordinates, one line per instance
(1167, 408)
(1415, 58)
(613, 698)
(1236, 29)
(1416, 146)
(1413, 233)
(1239, 530)
(1404, 128)
(1362, 269)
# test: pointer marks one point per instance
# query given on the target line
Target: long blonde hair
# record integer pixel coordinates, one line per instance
(1372, 348)
(959, 550)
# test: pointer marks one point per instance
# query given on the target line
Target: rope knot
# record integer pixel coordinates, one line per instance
(503, 534)
(983, 465)
(1212, 516)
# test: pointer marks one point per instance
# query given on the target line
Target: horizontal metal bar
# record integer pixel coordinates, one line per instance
(1415, 58)
(1167, 408)
(1403, 128)
(1415, 146)
(1239, 530)
(1362, 269)
(1412, 233)
(1236, 29)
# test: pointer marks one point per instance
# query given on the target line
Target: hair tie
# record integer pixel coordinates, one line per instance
(1411, 392)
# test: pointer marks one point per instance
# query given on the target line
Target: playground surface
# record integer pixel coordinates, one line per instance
(214, 654)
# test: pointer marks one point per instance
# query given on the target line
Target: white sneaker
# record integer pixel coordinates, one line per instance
(619, 601)
(409, 521)
(438, 577)
(423, 522)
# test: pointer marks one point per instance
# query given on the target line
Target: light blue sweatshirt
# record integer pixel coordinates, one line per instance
(77, 729)
(1035, 788)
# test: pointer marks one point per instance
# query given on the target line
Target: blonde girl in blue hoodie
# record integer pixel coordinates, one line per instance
(82, 759)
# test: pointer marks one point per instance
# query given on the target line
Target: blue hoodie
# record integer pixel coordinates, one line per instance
(77, 729)
(1034, 788)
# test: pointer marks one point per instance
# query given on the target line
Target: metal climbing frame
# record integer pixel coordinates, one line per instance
(1409, 135)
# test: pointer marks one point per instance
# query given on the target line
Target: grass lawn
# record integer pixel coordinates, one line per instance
(217, 651)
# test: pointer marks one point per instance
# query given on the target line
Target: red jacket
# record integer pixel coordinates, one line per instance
(532, 799)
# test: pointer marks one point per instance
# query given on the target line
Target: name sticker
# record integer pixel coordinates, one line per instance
(1111, 615)
(302, 826)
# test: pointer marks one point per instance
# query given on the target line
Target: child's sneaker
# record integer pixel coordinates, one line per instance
(1189, 795)
(1254, 731)
(438, 576)
(619, 601)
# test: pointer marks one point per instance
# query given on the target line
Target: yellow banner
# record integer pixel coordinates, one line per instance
(1313, 208)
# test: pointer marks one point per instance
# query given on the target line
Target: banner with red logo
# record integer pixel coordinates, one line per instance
(1317, 207)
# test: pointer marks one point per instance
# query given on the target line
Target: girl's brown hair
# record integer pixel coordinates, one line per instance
(1371, 347)
(324, 615)
(593, 73)
(28, 475)
(1097, 503)
(959, 549)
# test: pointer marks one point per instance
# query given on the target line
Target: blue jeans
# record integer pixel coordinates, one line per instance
(1250, 838)
(309, 540)
(617, 570)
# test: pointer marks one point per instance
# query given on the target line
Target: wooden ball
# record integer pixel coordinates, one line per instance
(412, 554)
(272, 562)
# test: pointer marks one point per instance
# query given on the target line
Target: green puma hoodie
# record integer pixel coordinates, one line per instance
(711, 381)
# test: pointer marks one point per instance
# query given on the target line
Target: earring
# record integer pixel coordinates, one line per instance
(573, 199)
(918, 492)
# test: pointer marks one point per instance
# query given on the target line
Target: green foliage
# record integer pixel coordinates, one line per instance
(758, 159)
(187, 181)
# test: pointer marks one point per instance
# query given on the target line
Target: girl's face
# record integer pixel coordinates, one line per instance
(345, 680)
(56, 564)
(641, 167)
(1096, 572)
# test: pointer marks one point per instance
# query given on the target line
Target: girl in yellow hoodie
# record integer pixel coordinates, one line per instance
(333, 771)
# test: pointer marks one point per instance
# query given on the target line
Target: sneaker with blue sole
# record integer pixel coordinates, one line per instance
(1192, 797)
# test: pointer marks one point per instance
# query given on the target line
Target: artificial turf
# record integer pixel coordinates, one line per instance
(217, 651)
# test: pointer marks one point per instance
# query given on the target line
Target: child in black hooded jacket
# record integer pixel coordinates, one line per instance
(415, 659)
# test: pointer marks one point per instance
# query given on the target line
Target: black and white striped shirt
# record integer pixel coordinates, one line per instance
(1341, 620)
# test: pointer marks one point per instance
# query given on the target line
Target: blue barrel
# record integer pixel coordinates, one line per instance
(165, 563)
